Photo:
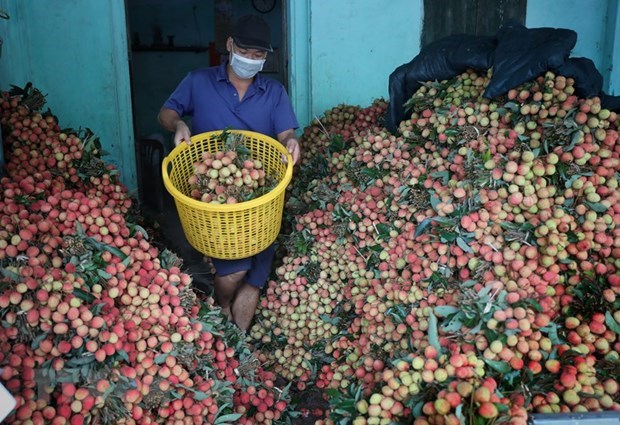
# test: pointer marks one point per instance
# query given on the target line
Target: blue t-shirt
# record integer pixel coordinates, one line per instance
(213, 103)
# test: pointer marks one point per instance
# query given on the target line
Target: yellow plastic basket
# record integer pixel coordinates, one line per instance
(229, 231)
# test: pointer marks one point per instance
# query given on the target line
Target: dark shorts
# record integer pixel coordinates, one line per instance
(258, 267)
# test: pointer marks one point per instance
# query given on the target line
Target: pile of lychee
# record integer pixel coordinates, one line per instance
(226, 177)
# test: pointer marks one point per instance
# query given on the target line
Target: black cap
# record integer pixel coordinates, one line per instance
(252, 32)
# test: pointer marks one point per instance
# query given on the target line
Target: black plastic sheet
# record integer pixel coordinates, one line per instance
(588, 81)
(523, 54)
(516, 54)
(440, 60)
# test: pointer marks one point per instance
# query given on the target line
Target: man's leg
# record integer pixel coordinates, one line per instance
(244, 305)
(246, 301)
(224, 288)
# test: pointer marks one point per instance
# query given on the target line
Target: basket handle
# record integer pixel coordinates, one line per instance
(164, 166)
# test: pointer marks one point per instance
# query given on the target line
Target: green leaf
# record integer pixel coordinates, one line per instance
(332, 392)
(10, 275)
(330, 320)
(84, 371)
(498, 366)
(571, 180)
(417, 409)
(513, 378)
(123, 355)
(486, 156)
(231, 419)
(139, 229)
(433, 334)
(376, 248)
(448, 237)
(530, 302)
(612, 323)
(444, 221)
(399, 312)
(422, 227)
(443, 175)
(595, 206)
(337, 143)
(512, 106)
(453, 325)
(83, 295)
(501, 408)
(464, 245)
(469, 283)
(209, 327)
(476, 329)
(79, 230)
(483, 294)
(446, 310)
(97, 308)
(403, 191)
(573, 142)
(114, 251)
(373, 172)
(37, 340)
(127, 261)
(80, 361)
(383, 231)
(459, 414)
(109, 390)
(200, 395)
(71, 377)
(103, 274)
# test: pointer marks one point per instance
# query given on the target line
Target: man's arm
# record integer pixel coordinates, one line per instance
(171, 121)
(288, 139)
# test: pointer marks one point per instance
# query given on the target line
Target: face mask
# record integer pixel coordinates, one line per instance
(246, 68)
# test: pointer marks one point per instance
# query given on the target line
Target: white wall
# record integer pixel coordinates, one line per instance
(613, 48)
(75, 51)
(596, 22)
(344, 51)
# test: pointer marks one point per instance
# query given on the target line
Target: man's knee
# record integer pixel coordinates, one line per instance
(249, 288)
(232, 278)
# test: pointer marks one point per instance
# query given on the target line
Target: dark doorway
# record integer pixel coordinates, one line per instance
(167, 40)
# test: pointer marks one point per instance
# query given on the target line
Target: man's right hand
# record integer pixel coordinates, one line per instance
(171, 121)
(182, 134)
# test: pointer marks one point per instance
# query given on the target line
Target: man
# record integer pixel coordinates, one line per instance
(233, 95)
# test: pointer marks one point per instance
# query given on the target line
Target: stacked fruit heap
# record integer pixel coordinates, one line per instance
(229, 176)
(463, 271)
(98, 325)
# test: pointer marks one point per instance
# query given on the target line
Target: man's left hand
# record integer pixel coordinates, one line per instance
(292, 146)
